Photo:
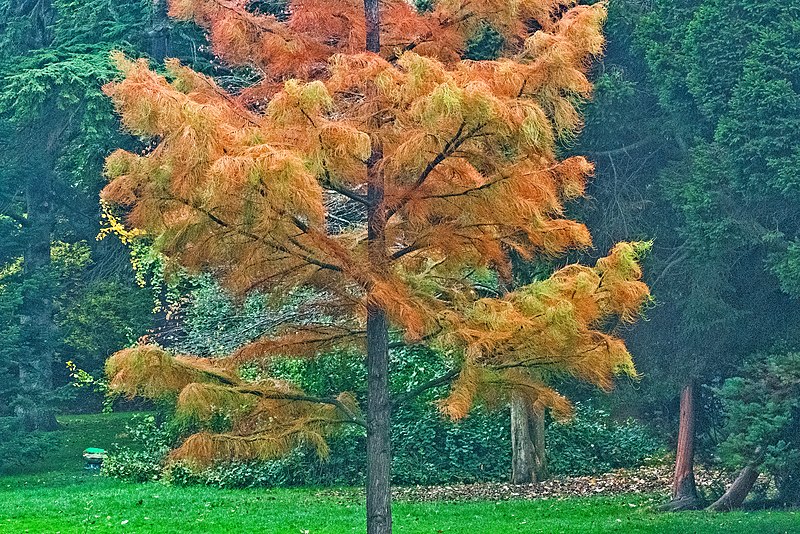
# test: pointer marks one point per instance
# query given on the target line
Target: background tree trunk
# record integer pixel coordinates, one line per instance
(528, 459)
(36, 318)
(684, 490)
(159, 31)
(737, 492)
(33, 403)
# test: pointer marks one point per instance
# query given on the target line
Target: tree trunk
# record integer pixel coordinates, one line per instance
(379, 452)
(528, 460)
(36, 318)
(379, 446)
(735, 495)
(33, 403)
(373, 21)
(159, 31)
(684, 490)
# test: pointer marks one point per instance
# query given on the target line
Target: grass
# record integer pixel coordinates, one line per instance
(58, 496)
(77, 432)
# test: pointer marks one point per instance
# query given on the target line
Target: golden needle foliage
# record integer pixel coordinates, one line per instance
(252, 186)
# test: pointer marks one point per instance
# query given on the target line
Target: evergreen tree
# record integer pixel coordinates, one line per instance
(691, 129)
(56, 129)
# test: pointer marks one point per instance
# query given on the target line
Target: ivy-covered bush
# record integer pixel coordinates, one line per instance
(592, 442)
(428, 450)
(145, 459)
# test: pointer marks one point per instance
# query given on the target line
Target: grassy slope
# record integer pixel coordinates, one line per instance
(59, 497)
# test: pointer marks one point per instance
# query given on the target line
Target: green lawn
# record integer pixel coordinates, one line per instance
(59, 497)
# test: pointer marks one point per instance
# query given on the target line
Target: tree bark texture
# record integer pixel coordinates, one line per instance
(379, 449)
(373, 19)
(158, 33)
(528, 459)
(684, 490)
(737, 492)
(33, 405)
(379, 446)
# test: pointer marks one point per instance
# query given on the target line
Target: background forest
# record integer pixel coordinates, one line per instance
(693, 129)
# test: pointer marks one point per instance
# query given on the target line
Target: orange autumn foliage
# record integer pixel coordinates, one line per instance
(267, 189)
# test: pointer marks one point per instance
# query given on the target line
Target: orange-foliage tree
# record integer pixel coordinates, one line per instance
(374, 165)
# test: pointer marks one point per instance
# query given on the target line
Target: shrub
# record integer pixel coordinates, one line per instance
(19, 448)
(592, 442)
(762, 410)
(429, 450)
(145, 458)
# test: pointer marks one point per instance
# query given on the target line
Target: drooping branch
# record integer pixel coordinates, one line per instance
(244, 233)
(449, 148)
(352, 417)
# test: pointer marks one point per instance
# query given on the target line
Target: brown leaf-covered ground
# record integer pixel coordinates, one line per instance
(643, 480)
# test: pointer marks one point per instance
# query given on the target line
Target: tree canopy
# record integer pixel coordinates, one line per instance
(373, 164)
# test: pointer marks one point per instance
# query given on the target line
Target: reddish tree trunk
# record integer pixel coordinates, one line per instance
(736, 494)
(528, 460)
(684, 490)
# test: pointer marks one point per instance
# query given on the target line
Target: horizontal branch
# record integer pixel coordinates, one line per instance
(353, 417)
(344, 191)
(403, 251)
(623, 149)
(309, 259)
(425, 386)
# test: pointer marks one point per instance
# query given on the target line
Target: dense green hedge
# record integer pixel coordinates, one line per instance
(427, 449)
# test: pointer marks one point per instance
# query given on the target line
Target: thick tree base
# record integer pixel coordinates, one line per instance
(682, 504)
(684, 491)
(528, 459)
